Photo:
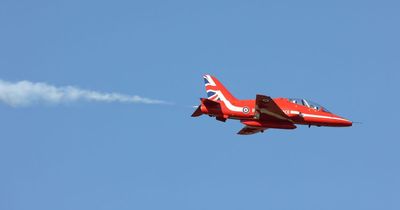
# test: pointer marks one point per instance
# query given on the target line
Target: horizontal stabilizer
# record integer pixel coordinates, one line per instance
(209, 103)
(247, 130)
(198, 112)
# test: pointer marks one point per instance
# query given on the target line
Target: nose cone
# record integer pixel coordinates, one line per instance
(343, 122)
(347, 123)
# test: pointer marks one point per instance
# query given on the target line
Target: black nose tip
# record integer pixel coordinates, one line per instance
(348, 123)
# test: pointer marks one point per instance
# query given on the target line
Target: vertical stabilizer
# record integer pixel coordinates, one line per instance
(216, 90)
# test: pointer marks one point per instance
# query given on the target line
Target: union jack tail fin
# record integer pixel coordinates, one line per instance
(216, 90)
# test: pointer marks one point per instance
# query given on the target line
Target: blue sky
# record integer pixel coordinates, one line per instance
(90, 155)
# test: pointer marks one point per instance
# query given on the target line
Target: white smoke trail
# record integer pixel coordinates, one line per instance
(25, 93)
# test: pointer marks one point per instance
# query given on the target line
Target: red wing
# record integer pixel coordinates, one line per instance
(267, 108)
(247, 130)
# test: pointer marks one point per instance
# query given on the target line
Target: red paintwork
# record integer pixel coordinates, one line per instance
(330, 120)
(224, 105)
(266, 124)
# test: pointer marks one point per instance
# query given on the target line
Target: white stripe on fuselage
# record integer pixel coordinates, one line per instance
(314, 115)
(324, 117)
(228, 104)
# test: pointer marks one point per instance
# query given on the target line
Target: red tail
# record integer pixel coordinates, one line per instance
(216, 90)
(221, 103)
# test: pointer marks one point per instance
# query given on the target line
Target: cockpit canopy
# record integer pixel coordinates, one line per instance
(308, 103)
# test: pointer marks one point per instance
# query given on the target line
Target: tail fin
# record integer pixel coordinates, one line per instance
(216, 90)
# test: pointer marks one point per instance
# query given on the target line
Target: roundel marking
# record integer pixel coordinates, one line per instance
(246, 110)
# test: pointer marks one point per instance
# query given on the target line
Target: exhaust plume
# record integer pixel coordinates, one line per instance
(26, 93)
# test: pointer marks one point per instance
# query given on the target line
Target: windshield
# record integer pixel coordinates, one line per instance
(308, 103)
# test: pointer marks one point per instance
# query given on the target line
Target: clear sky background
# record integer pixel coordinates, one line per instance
(88, 155)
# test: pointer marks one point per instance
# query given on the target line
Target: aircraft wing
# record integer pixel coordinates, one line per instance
(267, 108)
(247, 130)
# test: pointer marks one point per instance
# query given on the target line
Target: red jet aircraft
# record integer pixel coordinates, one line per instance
(264, 112)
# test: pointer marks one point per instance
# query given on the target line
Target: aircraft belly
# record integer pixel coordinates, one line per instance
(269, 124)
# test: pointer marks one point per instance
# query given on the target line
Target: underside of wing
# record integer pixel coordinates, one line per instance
(247, 130)
(266, 108)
